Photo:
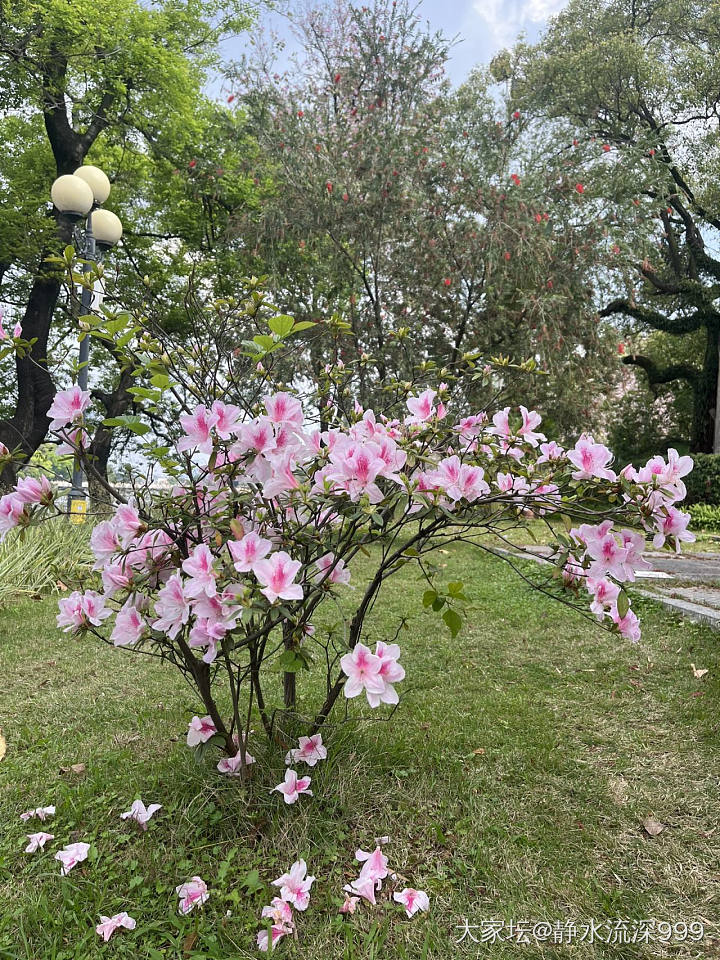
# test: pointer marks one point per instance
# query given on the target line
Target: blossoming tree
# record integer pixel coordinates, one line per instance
(225, 575)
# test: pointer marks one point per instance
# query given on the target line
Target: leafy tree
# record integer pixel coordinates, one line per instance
(423, 216)
(636, 85)
(123, 89)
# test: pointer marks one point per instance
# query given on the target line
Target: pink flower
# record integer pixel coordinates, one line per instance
(127, 523)
(199, 567)
(277, 575)
(295, 885)
(605, 594)
(373, 872)
(105, 543)
(508, 483)
(12, 511)
(412, 900)
(280, 911)
(42, 813)
(129, 626)
(591, 459)
(673, 526)
(71, 855)
(200, 729)
(246, 552)
(460, 481)
(205, 634)
(422, 408)
(282, 409)
(530, 420)
(362, 669)
(197, 427)
(80, 610)
(227, 421)
(350, 904)
(192, 894)
(256, 436)
(390, 672)
(629, 626)
(140, 813)
(549, 452)
(278, 930)
(293, 786)
(116, 576)
(38, 841)
(171, 607)
(108, 925)
(233, 766)
(68, 407)
(339, 573)
(309, 751)
(30, 490)
(17, 330)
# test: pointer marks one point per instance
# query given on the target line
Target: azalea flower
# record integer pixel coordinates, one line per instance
(108, 925)
(295, 885)
(171, 607)
(277, 575)
(12, 511)
(200, 729)
(350, 904)
(233, 766)
(68, 407)
(362, 669)
(391, 672)
(140, 813)
(282, 409)
(199, 568)
(293, 786)
(192, 894)
(591, 459)
(197, 427)
(38, 841)
(673, 526)
(31, 490)
(71, 855)
(79, 610)
(246, 552)
(412, 900)
(129, 626)
(278, 930)
(422, 408)
(309, 751)
(42, 813)
(339, 573)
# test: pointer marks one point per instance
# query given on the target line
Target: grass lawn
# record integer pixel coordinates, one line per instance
(513, 782)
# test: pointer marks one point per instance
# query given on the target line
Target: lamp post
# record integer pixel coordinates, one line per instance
(77, 196)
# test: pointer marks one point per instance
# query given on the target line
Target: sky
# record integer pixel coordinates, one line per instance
(484, 26)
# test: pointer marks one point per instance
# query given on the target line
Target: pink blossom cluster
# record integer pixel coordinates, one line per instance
(269, 512)
(369, 882)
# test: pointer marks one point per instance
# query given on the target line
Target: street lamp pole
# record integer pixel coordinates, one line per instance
(79, 195)
(77, 503)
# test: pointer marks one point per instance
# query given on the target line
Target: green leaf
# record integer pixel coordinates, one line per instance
(623, 604)
(129, 423)
(291, 662)
(438, 604)
(281, 325)
(252, 882)
(453, 621)
(429, 597)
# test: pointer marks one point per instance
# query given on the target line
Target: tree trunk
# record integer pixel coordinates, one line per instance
(703, 429)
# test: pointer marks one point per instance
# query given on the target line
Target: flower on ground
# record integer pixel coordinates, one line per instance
(293, 786)
(71, 855)
(233, 766)
(350, 904)
(200, 729)
(309, 750)
(192, 894)
(412, 900)
(108, 925)
(38, 841)
(140, 813)
(295, 885)
(42, 813)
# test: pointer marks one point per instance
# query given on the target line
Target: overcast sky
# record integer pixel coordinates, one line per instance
(485, 27)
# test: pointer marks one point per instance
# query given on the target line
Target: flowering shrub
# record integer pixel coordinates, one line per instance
(224, 575)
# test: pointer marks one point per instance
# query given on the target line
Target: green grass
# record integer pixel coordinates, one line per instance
(584, 736)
